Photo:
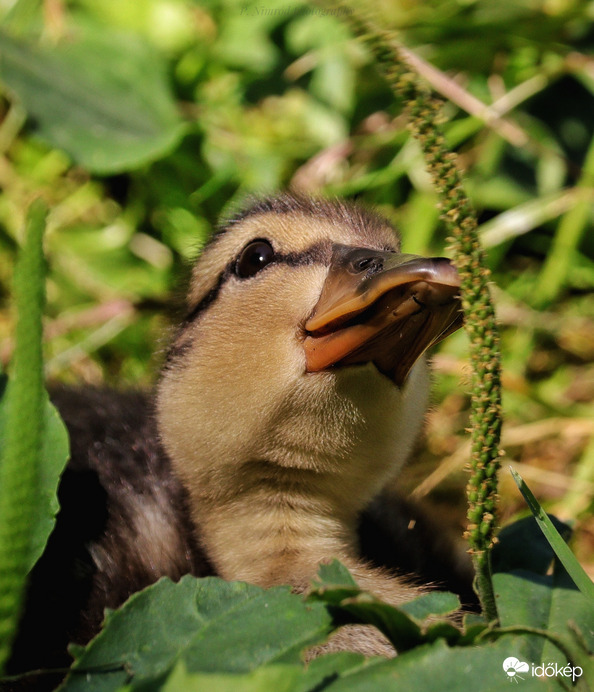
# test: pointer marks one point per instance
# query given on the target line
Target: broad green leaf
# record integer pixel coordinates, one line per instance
(399, 628)
(334, 575)
(213, 625)
(431, 668)
(335, 582)
(526, 599)
(434, 603)
(438, 668)
(329, 667)
(335, 587)
(280, 678)
(102, 97)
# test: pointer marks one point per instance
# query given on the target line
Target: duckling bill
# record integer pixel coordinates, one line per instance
(381, 307)
(293, 393)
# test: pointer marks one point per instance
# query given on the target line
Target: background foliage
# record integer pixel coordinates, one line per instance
(141, 124)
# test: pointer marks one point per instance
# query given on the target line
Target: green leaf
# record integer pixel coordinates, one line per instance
(331, 667)
(334, 575)
(544, 603)
(399, 628)
(268, 678)
(103, 98)
(430, 604)
(213, 625)
(280, 678)
(439, 668)
(567, 558)
(55, 451)
(402, 626)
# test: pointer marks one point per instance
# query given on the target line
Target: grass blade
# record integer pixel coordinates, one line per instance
(570, 231)
(560, 547)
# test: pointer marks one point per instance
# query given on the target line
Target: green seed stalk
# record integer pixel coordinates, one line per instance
(23, 429)
(424, 112)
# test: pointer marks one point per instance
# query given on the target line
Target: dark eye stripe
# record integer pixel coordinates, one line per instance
(211, 296)
(316, 254)
(320, 253)
(179, 346)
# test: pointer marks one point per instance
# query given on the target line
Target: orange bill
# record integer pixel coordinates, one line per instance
(381, 307)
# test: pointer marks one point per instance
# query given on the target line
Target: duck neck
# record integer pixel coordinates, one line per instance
(276, 525)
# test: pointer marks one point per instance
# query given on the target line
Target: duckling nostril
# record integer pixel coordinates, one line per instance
(368, 263)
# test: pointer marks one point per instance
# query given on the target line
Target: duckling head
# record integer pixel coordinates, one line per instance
(298, 366)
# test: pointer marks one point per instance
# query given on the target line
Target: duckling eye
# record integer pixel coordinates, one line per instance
(253, 258)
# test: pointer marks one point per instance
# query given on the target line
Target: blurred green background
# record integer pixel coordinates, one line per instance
(142, 123)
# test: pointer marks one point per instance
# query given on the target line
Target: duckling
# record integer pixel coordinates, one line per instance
(293, 393)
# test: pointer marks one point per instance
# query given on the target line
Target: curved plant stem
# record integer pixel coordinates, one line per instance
(460, 219)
